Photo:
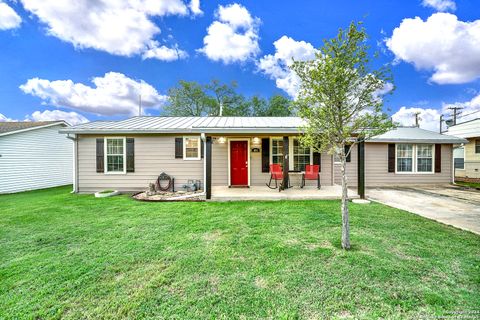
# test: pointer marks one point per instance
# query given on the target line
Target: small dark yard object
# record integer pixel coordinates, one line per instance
(162, 178)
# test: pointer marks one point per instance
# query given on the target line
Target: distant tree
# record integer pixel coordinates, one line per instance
(226, 100)
(279, 106)
(258, 106)
(338, 99)
(188, 99)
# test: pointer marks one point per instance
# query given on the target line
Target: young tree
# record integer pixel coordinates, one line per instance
(340, 102)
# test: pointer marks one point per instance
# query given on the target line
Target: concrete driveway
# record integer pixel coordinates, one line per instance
(447, 204)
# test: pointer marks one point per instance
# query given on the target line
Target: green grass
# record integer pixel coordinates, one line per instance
(76, 256)
(475, 185)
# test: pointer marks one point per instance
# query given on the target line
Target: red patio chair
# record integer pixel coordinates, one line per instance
(311, 173)
(276, 173)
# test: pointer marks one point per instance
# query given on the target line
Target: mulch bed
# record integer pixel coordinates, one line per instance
(169, 196)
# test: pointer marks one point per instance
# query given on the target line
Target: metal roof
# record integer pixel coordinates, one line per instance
(415, 135)
(7, 128)
(468, 129)
(146, 124)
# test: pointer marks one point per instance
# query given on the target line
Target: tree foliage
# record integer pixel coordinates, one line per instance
(189, 98)
(339, 99)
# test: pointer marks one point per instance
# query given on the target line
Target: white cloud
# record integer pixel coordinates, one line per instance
(442, 43)
(430, 117)
(195, 7)
(9, 19)
(4, 118)
(113, 94)
(440, 5)
(118, 27)
(72, 117)
(164, 53)
(276, 66)
(233, 37)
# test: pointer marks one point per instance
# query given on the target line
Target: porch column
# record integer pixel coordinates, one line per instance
(285, 163)
(361, 170)
(208, 170)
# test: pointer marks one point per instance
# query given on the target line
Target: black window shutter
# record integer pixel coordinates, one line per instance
(391, 157)
(178, 148)
(100, 155)
(130, 155)
(438, 158)
(265, 154)
(317, 159)
(202, 147)
(349, 156)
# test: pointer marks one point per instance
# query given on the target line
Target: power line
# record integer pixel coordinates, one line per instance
(455, 113)
(464, 115)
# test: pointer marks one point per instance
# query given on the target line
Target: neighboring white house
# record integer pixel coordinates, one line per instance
(34, 155)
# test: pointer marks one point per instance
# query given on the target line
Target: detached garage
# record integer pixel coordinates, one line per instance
(34, 155)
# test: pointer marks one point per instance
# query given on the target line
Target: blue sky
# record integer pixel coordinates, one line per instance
(50, 53)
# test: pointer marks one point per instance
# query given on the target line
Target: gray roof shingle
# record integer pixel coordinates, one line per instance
(10, 127)
(414, 134)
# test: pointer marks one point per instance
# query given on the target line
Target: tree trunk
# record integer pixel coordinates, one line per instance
(345, 220)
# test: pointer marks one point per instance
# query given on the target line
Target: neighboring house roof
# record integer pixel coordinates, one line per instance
(468, 129)
(415, 135)
(146, 124)
(7, 128)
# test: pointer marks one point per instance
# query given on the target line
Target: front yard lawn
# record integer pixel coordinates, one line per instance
(76, 256)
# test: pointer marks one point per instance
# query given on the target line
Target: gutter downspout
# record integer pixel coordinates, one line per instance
(204, 141)
(75, 162)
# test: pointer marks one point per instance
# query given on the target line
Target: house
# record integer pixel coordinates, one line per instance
(33, 155)
(467, 156)
(237, 151)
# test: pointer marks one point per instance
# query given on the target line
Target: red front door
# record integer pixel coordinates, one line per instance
(239, 163)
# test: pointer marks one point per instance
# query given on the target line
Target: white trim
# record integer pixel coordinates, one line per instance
(63, 123)
(75, 166)
(199, 156)
(414, 159)
(248, 157)
(105, 162)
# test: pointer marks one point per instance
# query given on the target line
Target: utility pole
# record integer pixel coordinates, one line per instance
(441, 121)
(417, 119)
(455, 113)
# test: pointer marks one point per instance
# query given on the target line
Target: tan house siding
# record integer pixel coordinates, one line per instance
(376, 168)
(154, 154)
(472, 161)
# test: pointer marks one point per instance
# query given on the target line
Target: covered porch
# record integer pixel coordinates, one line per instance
(224, 193)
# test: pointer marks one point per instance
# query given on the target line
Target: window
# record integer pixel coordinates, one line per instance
(414, 158)
(301, 155)
(115, 155)
(477, 146)
(404, 158)
(459, 158)
(424, 158)
(277, 150)
(191, 148)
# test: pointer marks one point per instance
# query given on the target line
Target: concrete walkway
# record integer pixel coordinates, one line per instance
(221, 193)
(447, 204)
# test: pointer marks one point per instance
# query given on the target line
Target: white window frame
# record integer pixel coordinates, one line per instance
(290, 151)
(105, 155)
(199, 152)
(463, 147)
(414, 159)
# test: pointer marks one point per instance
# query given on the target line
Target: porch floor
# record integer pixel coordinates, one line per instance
(223, 193)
